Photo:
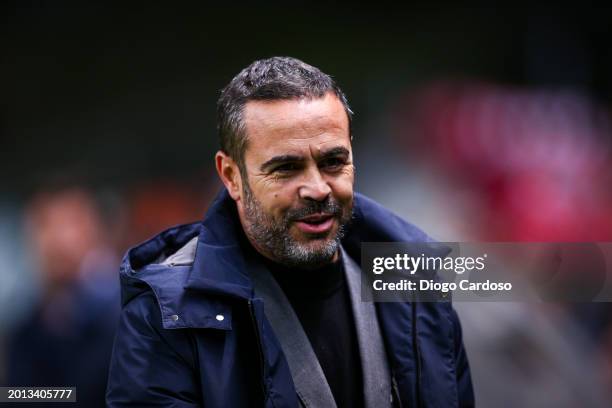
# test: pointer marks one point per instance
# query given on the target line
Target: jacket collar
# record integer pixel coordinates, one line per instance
(219, 265)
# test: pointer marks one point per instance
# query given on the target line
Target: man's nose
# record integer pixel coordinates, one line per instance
(314, 187)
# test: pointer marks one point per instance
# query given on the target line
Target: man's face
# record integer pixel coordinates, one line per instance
(298, 192)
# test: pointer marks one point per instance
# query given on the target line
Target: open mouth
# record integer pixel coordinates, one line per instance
(315, 224)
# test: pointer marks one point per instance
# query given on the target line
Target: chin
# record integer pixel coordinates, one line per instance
(317, 244)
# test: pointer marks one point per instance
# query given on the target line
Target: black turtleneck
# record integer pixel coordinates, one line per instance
(320, 298)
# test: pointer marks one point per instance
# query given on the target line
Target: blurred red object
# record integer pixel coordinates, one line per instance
(537, 162)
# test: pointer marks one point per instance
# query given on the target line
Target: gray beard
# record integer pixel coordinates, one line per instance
(275, 238)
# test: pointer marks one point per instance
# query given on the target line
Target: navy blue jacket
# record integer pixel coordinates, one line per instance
(191, 332)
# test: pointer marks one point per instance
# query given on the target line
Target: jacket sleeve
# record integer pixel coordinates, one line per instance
(464, 378)
(150, 366)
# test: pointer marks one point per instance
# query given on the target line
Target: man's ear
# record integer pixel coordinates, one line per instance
(229, 173)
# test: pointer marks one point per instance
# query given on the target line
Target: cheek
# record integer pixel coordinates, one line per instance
(278, 201)
(272, 195)
(343, 188)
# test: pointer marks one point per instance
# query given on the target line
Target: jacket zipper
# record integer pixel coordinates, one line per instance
(417, 353)
(259, 349)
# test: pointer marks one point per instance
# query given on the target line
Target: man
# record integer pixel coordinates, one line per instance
(259, 305)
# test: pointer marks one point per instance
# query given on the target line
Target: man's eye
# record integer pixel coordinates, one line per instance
(286, 168)
(334, 163)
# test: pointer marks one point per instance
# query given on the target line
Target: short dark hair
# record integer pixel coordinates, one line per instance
(269, 79)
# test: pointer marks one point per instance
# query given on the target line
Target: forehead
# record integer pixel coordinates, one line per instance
(296, 124)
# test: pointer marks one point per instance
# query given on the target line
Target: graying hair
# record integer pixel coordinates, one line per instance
(275, 78)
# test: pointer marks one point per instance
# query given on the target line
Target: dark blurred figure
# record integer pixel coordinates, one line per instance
(67, 339)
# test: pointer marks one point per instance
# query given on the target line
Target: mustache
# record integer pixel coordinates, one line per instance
(327, 207)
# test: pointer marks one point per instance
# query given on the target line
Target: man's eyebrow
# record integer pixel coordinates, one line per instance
(336, 151)
(284, 158)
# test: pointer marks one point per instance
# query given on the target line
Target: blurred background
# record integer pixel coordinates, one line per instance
(487, 124)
